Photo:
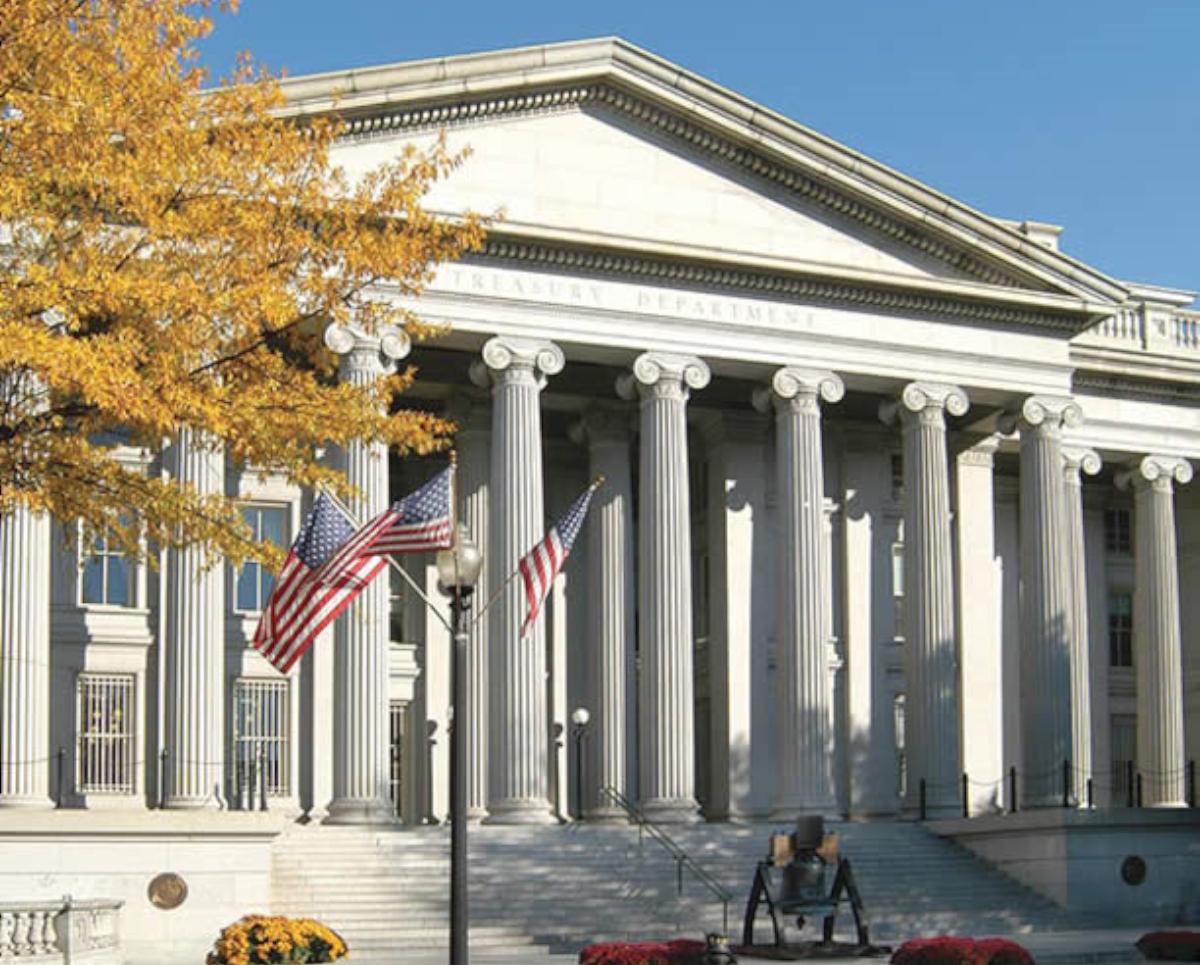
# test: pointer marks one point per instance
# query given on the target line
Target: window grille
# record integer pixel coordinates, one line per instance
(106, 572)
(105, 727)
(254, 581)
(261, 723)
(1120, 630)
(396, 720)
(1124, 753)
(1118, 531)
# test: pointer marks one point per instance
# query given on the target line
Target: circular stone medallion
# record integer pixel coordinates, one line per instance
(167, 891)
(1133, 870)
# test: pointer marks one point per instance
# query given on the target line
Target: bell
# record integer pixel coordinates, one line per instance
(803, 882)
(717, 950)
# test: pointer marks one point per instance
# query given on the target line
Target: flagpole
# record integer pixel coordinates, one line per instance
(391, 560)
(596, 484)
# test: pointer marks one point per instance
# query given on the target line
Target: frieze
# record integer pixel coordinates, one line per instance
(601, 295)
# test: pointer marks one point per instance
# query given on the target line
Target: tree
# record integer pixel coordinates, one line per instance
(169, 256)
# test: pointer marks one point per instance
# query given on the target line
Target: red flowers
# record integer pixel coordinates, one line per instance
(1178, 946)
(681, 951)
(946, 950)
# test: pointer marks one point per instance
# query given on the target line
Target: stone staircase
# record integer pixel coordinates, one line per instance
(537, 892)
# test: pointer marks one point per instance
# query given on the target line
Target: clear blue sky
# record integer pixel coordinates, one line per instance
(1084, 113)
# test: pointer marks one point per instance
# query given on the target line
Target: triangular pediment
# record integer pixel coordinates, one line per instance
(603, 145)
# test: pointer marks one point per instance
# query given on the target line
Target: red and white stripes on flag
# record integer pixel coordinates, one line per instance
(321, 576)
(541, 564)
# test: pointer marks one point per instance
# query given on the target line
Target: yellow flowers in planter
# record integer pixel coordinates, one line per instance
(272, 938)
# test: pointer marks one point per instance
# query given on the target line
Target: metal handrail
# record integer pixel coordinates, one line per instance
(674, 849)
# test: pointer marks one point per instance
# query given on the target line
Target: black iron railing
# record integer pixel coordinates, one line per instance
(683, 860)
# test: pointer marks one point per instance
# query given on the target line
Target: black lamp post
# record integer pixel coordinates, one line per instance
(579, 722)
(458, 569)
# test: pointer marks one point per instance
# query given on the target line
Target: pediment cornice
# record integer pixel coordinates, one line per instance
(817, 284)
(611, 75)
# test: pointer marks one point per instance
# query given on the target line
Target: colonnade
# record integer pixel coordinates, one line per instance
(501, 483)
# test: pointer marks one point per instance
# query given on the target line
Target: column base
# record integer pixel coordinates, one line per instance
(788, 811)
(672, 810)
(210, 803)
(27, 803)
(608, 814)
(477, 815)
(351, 811)
(521, 811)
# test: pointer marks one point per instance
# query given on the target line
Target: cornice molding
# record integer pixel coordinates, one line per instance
(621, 263)
(1141, 389)
(470, 110)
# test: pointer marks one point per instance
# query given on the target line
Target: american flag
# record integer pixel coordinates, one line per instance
(310, 591)
(541, 564)
(420, 521)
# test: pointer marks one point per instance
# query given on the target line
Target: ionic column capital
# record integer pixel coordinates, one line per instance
(367, 354)
(1077, 459)
(1044, 414)
(926, 401)
(799, 389)
(659, 375)
(1156, 472)
(507, 360)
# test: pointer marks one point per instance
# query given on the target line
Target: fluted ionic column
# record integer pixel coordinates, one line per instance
(1156, 628)
(518, 761)
(193, 645)
(605, 430)
(804, 739)
(1046, 596)
(1077, 460)
(361, 732)
(931, 708)
(474, 443)
(24, 659)
(666, 725)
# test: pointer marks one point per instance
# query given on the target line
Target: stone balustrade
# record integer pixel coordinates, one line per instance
(1141, 329)
(63, 931)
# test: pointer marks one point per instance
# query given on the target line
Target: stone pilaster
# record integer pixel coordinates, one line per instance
(1046, 596)
(666, 725)
(193, 647)
(804, 740)
(24, 659)
(517, 756)
(1077, 460)
(1156, 630)
(361, 756)
(931, 709)
(474, 443)
(605, 430)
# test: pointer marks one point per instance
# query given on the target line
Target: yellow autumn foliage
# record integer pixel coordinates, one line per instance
(170, 253)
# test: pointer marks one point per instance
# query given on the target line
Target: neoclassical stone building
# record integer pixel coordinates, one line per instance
(895, 491)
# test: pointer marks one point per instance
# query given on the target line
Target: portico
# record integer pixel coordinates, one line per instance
(845, 553)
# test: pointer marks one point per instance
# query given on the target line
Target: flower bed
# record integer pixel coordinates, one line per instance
(275, 939)
(682, 951)
(1172, 946)
(947, 950)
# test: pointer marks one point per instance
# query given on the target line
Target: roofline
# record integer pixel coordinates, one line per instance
(361, 90)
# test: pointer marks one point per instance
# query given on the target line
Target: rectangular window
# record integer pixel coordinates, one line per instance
(254, 581)
(261, 723)
(106, 572)
(105, 727)
(897, 477)
(1120, 630)
(898, 588)
(1118, 531)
